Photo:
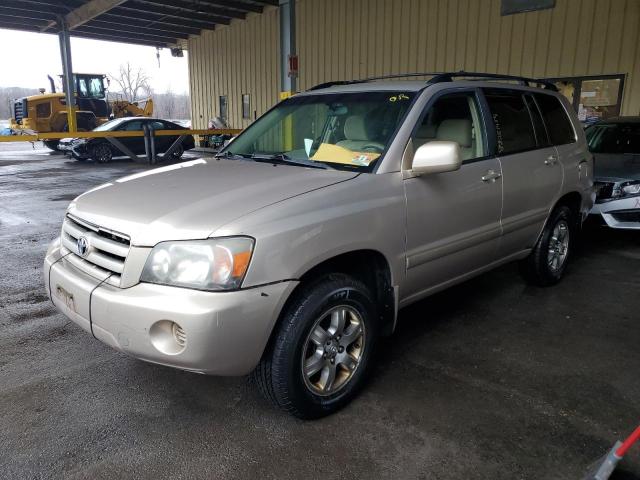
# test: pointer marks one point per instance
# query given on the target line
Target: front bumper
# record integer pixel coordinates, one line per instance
(621, 213)
(225, 332)
(79, 150)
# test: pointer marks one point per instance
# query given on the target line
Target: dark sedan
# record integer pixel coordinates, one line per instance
(101, 150)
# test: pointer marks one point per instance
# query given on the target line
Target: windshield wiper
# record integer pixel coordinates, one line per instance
(230, 155)
(287, 160)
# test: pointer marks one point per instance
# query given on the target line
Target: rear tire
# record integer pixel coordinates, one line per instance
(548, 260)
(177, 154)
(321, 351)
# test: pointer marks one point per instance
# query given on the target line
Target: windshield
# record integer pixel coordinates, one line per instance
(89, 86)
(110, 125)
(614, 138)
(346, 130)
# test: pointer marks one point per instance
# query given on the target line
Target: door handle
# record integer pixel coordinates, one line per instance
(491, 176)
(551, 160)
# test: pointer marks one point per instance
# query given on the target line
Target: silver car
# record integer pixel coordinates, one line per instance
(615, 144)
(290, 253)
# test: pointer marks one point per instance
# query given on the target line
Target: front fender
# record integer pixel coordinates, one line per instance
(364, 213)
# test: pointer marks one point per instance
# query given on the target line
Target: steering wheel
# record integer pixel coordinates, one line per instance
(373, 148)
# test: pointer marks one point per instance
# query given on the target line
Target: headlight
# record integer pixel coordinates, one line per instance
(214, 264)
(631, 188)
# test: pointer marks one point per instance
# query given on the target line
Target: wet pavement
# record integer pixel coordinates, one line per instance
(490, 379)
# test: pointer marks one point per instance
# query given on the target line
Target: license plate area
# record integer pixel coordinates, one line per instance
(67, 298)
(71, 292)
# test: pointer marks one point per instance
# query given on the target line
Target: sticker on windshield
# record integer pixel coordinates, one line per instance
(399, 97)
(364, 160)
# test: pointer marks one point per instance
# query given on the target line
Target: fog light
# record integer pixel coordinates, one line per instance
(168, 337)
(179, 335)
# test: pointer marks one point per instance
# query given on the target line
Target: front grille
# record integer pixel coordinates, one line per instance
(106, 253)
(19, 110)
(603, 190)
(626, 215)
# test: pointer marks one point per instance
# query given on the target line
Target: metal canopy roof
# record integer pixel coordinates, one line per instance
(158, 23)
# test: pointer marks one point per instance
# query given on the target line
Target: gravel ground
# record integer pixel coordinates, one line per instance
(490, 379)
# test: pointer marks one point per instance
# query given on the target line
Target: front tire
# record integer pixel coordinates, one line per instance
(51, 144)
(101, 153)
(548, 260)
(322, 349)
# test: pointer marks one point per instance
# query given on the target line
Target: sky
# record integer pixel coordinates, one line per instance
(28, 57)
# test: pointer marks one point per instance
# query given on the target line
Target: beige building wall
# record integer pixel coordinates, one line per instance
(350, 39)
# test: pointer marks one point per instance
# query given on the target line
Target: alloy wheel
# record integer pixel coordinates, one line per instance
(558, 246)
(333, 350)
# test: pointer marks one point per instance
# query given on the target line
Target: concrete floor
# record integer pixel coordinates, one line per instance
(491, 379)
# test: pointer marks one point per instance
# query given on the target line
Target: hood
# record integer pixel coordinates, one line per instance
(190, 200)
(616, 167)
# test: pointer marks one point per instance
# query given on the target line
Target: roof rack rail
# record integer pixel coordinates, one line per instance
(526, 81)
(371, 79)
(438, 77)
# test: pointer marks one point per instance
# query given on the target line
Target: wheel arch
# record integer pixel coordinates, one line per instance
(573, 200)
(367, 265)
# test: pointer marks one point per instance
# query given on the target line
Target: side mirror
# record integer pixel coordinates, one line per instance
(436, 157)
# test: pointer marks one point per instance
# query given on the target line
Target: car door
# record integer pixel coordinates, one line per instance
(453, 218)
(531, 173)
(135, 144)
(162, 142)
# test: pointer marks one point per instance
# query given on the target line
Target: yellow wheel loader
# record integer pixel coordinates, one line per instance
(47, 112)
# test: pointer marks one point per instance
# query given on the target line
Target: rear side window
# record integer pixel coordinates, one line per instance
(514, 130)
(558, 123)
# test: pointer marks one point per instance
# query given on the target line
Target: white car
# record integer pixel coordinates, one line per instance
(615, 144)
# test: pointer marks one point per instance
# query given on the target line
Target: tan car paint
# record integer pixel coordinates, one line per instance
(433, 230)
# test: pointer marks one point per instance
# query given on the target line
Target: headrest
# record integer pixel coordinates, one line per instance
(456, 130)
(426, 130)
(355, 128)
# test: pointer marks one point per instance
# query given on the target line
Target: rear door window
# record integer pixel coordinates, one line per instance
(514, 129)
(538, 124)
(555, 117)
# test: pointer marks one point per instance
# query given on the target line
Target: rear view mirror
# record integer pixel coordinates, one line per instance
(436, 157)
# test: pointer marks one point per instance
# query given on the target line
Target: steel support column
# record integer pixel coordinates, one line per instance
(287, 47)
(67, 73)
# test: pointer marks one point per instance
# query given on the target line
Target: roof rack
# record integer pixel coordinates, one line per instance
(526, 81)
(371, 79)
(438, 77)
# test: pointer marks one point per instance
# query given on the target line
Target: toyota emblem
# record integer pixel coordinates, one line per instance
(82, 244)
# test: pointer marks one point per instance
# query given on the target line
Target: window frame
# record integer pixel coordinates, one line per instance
(49, 110)
(577, 85)
(246, 115)
(225, 117)
(487, 140)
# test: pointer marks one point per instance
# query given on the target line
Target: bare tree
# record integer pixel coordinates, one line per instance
(133, 83)
(169, 103)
